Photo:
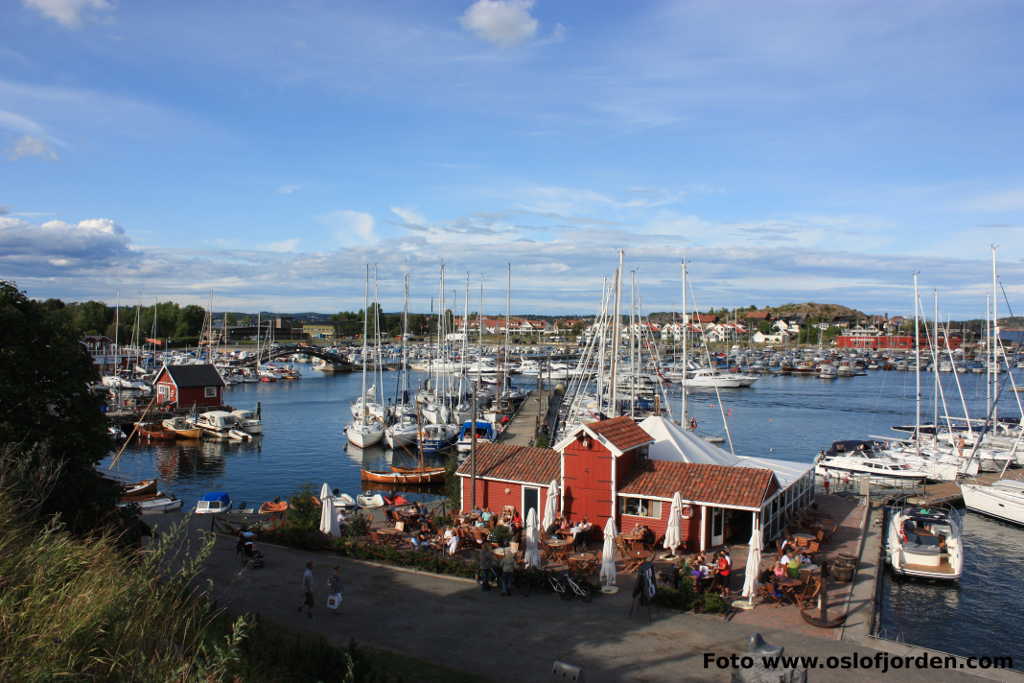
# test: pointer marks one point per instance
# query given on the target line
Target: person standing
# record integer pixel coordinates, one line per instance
(486, 566)
(334, 590)
(307, 587)
(508, 570)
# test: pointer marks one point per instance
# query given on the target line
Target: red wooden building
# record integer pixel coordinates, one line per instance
(605, 469)
(876, 342)
(185, 386)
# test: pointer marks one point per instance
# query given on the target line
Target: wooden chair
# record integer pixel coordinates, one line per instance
(766, 594)
(810, 592)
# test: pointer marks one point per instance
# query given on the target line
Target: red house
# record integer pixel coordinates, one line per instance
(608, 468)
(185, 386)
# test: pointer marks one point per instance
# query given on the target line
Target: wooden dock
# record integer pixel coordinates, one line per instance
(522, 430)
(949, 491)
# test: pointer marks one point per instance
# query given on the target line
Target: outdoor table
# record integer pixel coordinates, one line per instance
(582, 561)
(789, 587)
(559, 548)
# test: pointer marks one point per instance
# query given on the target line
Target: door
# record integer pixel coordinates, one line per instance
(531, 499)
(717, 527)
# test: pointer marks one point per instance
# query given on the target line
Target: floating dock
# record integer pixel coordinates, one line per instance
(949, 491)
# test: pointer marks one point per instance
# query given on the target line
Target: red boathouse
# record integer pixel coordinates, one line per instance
(185, 386)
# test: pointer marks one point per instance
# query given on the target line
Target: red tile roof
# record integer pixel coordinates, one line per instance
(715, 484)
(756, 315)
(622, 432)
(514, 463)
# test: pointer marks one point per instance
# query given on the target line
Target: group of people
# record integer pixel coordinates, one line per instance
(790, 560)
(491, 567)
(333, 590)
(579, 532)
(712, 573)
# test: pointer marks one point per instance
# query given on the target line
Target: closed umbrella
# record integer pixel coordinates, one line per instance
(325, 491)
(608, 554)
(549, 507)
(532, 556)
(753, 565)
(328, 520)
(672, 540)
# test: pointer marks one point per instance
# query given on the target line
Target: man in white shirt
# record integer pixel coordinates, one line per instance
(307, 587)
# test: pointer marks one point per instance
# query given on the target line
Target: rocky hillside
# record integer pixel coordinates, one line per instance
(815, 311)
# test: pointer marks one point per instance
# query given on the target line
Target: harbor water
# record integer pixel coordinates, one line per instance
(787, 417)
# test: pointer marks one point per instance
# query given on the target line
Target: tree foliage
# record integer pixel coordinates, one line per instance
(50, 418)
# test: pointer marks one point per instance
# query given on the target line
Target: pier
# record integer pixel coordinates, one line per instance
(534, 418)
(949, 491)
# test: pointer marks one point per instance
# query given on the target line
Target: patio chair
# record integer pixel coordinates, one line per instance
(810, 592)
(768, 594)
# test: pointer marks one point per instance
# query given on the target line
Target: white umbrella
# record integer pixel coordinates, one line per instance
(325, 491)
(753, 565)
(608, 554)
(328, 520)
(672, 540)
(549, 506)
(532, 557)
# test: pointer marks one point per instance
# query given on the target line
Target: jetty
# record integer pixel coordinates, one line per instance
(949, 491)
(533, 421)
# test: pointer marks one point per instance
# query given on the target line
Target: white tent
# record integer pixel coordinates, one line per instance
(672, 539)
(328, 520)
(531, 557)
(608, 554)
(325, 491)
(678, 445)
(786, 471)
(550, 505)
(753, 565)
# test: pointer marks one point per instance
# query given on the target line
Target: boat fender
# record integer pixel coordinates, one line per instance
(687, 512)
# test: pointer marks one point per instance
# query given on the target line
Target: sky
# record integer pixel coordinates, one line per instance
(267, 151)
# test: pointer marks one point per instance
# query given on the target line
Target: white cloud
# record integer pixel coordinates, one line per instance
(19, 123)
(68, 13)
(502, 22)
(31, 146)
(351, 227)
(409, 216)
(28, 248)
(284, 246)
(288, 189)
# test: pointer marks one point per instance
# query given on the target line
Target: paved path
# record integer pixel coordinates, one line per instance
(522, 430)
(451, 622)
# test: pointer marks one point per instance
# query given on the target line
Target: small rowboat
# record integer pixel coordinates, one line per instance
(155, 432)
(271, 507)
(146, 486)
(370, 501)
(182, 428)
(151, 503)
(429, 475)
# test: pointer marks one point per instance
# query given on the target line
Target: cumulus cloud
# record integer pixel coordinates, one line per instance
(68, 13)
(31, 146)
(351, 227)
(38, 248)
(502, 22)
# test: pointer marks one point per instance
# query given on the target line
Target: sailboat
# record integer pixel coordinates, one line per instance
(366, 430)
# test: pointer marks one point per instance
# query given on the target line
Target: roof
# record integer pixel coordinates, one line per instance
(756, 315)
(514, 463)
(744, 487)
(194, 376)
(622, 432)
(787, 472)
(673, 444)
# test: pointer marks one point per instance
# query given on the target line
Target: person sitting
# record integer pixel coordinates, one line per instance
(487, 517)
(517, 521)
(579, 534)
(793, 566)
(554, 526)
(782, 566)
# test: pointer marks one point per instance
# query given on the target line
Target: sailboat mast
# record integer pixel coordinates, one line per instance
(117, 329)
(403, 388)
(686, 357)
(632, 345)
(995, 341)
(366, 331)
(917, 370)
(616, 322)
(935, 366)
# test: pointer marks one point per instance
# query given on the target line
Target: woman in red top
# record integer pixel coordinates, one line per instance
(724, 568)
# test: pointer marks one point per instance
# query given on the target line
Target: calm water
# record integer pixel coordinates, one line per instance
(785, 417)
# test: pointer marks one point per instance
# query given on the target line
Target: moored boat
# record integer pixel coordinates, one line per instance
(925, 541)
(183, 428)
(213, 503)
(139, 488)
(1002, 499)
(425, 476)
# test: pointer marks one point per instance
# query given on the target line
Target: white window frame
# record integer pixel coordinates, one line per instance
(209, 392)
(649, 502)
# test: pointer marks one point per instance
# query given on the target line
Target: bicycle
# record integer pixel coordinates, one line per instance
(566, 587)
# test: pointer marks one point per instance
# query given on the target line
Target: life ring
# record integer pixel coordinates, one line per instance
(687, 512)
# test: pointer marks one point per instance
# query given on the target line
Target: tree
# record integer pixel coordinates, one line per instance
(50, 418)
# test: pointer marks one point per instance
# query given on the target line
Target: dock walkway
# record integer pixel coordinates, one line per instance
(949, 491)
(522, 430)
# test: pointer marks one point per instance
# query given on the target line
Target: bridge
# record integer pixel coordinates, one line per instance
(336, 362)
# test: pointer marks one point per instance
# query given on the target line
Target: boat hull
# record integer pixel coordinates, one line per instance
(428, 477)
(979, 499)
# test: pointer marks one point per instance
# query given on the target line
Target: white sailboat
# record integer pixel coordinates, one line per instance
(1002, 499)
(366, 430)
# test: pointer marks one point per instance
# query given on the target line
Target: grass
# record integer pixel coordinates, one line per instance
(90, 610)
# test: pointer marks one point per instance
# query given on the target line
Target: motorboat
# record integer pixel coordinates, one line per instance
(435, 438)
(370, 500)
(213, 503)
(843, 462)
(182, 427)
(705, 378)
(152, 504)
(1002, 499)
(925, 541)
(485, 433)
(827, 371)
(221, 424)
(139, 488)
(248, 421)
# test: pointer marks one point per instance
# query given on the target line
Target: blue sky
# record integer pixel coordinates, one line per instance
(792, 151)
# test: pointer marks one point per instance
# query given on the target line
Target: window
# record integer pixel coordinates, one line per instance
(641, 507)
(209, 392)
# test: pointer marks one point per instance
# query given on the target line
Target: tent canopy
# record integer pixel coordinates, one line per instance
(677, 445)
